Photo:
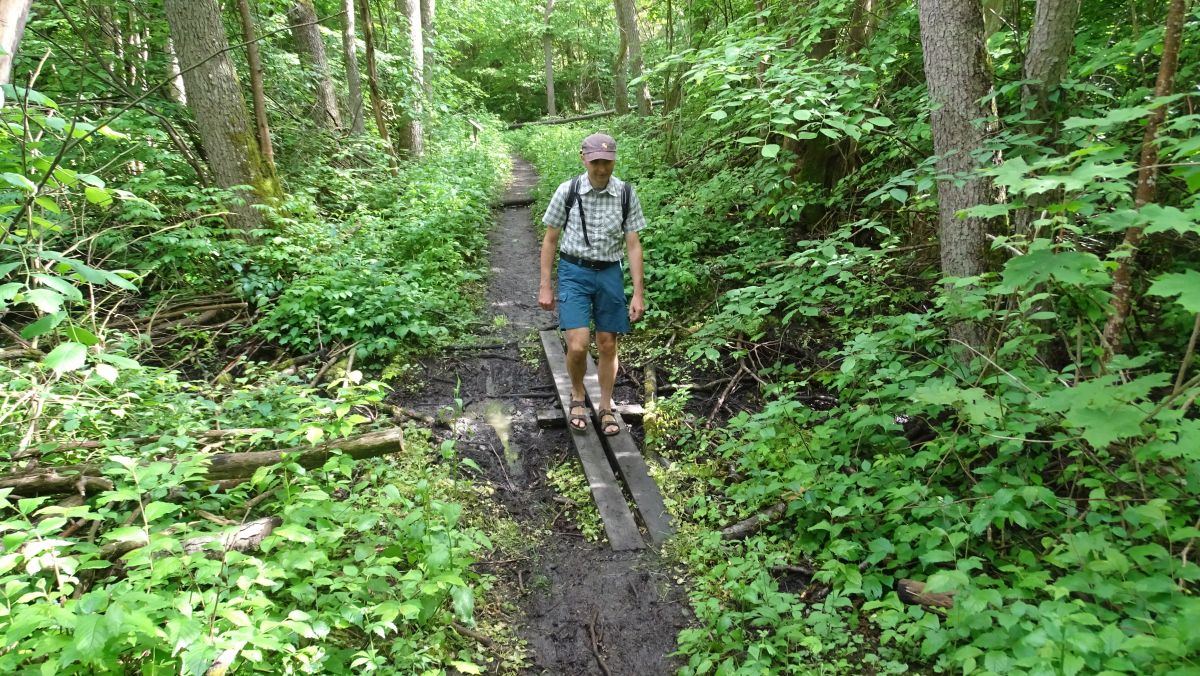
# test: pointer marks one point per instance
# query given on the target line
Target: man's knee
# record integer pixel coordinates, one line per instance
(577, 341)
(606, 343)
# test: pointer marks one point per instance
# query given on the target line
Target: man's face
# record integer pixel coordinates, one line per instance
(598, 171)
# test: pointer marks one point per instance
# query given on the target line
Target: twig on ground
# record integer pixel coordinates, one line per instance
(591, 627)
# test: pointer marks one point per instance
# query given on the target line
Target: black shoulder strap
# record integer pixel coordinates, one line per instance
(626, 191)
(572, 198)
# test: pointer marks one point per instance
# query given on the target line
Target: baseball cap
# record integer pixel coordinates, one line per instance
(599, 147)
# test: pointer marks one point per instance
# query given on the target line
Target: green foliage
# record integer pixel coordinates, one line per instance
(362, 582)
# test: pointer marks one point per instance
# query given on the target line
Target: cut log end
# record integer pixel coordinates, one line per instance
(911, 591)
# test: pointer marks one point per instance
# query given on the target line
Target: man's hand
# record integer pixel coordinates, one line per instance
(546, 298)
(637, 307)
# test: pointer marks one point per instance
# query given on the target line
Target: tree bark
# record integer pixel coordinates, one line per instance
(88, 477)
(350, 57)
(1122, 287)
(548, 53)
(862, 24)
(428, 14)
(1050, 42)
(13, 15)
(257, 94)
(311, 48)
(364, 15)
(620, 76)
(176, 89)
(215, 99)
(412, 136)
(627, 24)
(911, 591)
(957, 76)
(747, 527)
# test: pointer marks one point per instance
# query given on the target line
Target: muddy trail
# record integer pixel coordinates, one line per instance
(586, 609)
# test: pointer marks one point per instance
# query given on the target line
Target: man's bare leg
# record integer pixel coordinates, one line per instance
(606, 366)
(577, 347)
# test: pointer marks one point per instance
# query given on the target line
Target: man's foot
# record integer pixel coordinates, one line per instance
(577, 419)
(608, 422)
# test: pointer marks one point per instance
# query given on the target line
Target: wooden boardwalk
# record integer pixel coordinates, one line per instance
(598, 463)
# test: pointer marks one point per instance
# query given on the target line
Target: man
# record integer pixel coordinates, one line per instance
(591, 284)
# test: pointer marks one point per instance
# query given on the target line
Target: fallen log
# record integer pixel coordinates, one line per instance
(747, 527)
(241, 538)
(87, 478)
(911, 591)
(567, 120)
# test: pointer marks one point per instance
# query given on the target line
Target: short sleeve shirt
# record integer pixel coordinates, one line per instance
(603, 215)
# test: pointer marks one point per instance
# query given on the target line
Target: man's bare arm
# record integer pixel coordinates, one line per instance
(637, 304)
(545, 288)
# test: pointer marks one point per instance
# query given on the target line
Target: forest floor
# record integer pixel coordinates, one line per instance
(581, 602)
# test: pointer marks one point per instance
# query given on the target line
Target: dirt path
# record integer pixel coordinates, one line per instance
(577, 597)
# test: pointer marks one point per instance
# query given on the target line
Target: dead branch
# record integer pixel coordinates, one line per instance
(221, 467)
(911, 591)
(750, 526)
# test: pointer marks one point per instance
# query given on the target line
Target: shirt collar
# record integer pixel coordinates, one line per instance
(585, 186)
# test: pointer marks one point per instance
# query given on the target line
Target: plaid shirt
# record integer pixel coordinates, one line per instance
(603, 220)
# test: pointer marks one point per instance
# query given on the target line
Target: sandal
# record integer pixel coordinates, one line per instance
(608, 422)
(577, 421)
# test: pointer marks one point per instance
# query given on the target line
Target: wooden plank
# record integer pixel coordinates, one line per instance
(632, 467)
(618, 521)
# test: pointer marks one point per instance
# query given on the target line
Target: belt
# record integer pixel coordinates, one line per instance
(585, 263)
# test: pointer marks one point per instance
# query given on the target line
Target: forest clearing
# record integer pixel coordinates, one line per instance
(290, 355)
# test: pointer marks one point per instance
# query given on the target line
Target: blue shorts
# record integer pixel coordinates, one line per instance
(585, 294)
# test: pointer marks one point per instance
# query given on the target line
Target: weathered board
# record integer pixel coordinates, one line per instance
(628, 459)
(618, 521)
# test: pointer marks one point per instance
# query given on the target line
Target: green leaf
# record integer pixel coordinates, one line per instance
(749, 139)
(770, 150)
(60, 285)
(899, 194)
(19, 181)
(1186, 285)
(718, 115)
(81, 335)
(97, 196)
(69, 356)
(1113, 118)
(44, 299)
(464, 604)
(156, 510)
(107, 372)
(1164, 219)
(42, 326)
(466, 667)
(91, 634)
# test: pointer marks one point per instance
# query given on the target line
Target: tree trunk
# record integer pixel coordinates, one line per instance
(862, 23)
(1122, 287)
(215, 99)
(428, 14)
(350, 56)
(412, 136)
(176, 89)
(13, 15)
(256, 83)
(627, 25)
(364, 16)
(307, 36)
(1050, 42)
(88, 478)
(956, 72)
(548, 52)
(620, 78)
